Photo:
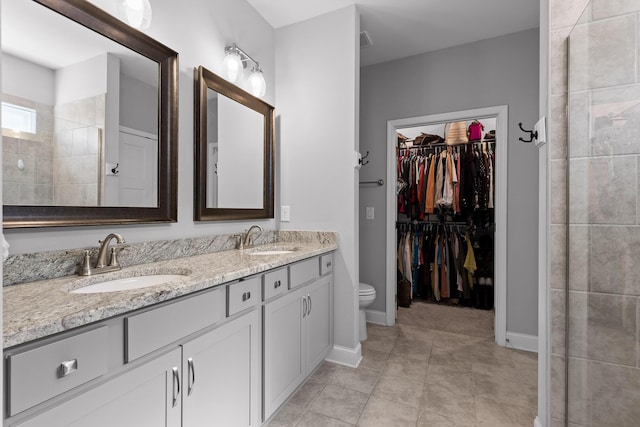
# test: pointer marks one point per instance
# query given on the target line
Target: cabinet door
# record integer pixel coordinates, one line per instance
(143, 396)
(222, 375)
(284, 363)
(318, 322)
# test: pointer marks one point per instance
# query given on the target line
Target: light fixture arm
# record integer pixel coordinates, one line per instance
(243, 55)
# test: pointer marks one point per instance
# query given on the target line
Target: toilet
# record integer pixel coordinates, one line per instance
(366, 294)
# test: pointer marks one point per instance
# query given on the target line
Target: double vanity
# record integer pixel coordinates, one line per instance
(222, 338)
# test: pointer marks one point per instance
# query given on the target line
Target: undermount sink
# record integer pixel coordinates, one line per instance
(271, 250)
(128, 283)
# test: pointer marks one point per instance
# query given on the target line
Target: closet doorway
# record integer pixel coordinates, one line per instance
(499, 114)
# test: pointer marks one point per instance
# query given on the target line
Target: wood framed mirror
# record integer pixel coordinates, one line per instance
(234, 151)
(71, 168)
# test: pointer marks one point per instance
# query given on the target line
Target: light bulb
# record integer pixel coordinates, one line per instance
(257, 84)
(136, 13)
(233, 65)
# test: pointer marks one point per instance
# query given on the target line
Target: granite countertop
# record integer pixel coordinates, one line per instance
(38, 309)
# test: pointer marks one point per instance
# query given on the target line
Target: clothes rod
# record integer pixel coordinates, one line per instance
(444, 144)
(379, 182)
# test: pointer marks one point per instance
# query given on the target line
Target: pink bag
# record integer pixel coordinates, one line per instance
(475, 131)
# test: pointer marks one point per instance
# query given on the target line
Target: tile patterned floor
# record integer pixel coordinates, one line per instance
(414, 376)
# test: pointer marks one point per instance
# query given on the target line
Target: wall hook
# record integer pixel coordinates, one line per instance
(361, 160)
(532, 134)
(115, 170)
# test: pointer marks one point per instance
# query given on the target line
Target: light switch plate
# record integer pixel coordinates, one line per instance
(285, 213)
(370, 212)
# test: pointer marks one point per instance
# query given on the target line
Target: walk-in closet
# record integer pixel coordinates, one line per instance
(445, 219)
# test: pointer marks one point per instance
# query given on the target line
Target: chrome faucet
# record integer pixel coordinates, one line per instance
(101, 263)
(248, 240)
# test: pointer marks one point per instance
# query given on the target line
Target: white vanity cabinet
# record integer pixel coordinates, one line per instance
(148, 395)
(298, 332)
(222, 369)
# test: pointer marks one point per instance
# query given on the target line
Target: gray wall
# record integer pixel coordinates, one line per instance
(498, 71)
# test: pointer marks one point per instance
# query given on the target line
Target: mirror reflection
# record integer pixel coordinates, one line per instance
(234, 152)
(79, 114)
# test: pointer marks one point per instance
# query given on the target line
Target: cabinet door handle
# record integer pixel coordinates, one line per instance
(176, 386)
(304, 307)
(67, 367)
(328, 264)
(246, 296)
(310, 304)
(277, 284)
(192, 376)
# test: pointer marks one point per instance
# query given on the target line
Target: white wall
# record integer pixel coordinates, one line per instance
(135, 95)
(498, 71)
(199, 33)
(317, 88)
(27, 80)
(82, 80)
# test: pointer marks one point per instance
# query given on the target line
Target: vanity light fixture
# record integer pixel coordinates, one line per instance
(235, 61)
(136, 13)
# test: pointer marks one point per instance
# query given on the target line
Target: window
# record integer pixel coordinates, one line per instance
(18, 119)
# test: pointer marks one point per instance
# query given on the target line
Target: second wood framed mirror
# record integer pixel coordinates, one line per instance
(234, 152)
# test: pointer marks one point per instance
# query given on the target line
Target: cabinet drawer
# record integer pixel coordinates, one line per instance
(275, 283)
(326, 264)
(39, 374)
(243, 295)
(150, 330)
(303, 272)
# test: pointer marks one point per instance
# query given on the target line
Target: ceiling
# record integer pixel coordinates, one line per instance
(401, 28)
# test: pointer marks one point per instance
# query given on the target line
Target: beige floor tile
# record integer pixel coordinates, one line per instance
(385, 413)
(360, 379)
(490, 413)
(324, 372)
(383, 344)
(412, 369)
(450, 403)
(305, 394)
(288, 416)
(415, 333)
(505, 371)
(382, 331)
(373, 359)
(507, 392)
(412, 349)
(453, 379)
(399, 389)
(340, 403)
(452, 359)
(314, 419)
(430, 419)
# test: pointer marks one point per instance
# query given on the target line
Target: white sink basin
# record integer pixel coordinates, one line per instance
(271, 250)
(128, 283)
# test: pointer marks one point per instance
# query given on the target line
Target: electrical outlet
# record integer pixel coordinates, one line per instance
(285, 213)
(370, 213)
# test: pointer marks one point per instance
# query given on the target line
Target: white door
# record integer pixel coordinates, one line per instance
(137, 169)
(221, 384)
(284, 362)
(318, 322)
(145, 396)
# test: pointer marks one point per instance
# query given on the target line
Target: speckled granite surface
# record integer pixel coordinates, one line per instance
(37, 309)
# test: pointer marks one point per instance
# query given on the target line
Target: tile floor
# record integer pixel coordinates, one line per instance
(414, 376)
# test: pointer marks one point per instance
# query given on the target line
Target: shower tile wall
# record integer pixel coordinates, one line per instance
(604, 231)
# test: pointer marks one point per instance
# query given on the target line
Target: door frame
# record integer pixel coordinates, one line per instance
(501, 113)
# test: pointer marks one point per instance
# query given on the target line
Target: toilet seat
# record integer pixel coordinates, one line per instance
(366, 290)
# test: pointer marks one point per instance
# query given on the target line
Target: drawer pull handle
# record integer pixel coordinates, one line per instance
(277, 284)
(67, 367)
(176, 386)
(328, 264)
(192, 376)
(246, 296)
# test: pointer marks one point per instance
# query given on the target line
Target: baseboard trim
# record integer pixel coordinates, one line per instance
(537, 423)
(345, 356)
(522, 342)
(377, 317)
